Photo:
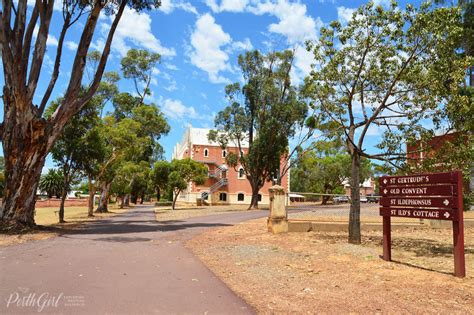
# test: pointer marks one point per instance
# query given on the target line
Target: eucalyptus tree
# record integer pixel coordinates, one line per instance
(265, 112)
(384, 73)
(26, 135)
(72, 151)
(138, 65)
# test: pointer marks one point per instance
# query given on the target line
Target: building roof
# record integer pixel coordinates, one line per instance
(198, 136)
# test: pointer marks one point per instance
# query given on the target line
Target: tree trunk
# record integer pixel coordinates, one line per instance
(354, 213)
(158, 194)
(127, 200)
(254, 200)
(325, 200)
(25, 146)
(90, 202)
(61, 206)
(142, 197)
(104, 199)
(174, 199)
(122, 202)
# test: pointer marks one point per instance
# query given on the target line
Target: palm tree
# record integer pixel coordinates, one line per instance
(51, 183)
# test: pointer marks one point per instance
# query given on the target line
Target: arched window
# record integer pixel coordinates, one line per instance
(240, 197)
(224, 153)
(222, 196)
(259, 197)
(206, 152)
(241, 173)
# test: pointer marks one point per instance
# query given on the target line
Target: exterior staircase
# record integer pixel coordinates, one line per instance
(215, 187)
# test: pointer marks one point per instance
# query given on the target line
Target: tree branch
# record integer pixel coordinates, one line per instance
(57, 62)
(40, 46)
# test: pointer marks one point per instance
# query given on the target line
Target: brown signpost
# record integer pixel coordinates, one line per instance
(435, 196)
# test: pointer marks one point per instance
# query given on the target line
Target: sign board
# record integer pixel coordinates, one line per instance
(435, 196)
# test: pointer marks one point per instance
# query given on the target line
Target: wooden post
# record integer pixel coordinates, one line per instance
(387, 239)
(458, 233)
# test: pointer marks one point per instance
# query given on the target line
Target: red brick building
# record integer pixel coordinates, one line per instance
(419, 151)
(225, 184)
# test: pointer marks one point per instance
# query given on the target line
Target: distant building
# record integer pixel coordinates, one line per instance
(419, 151)
(366, 188)
(225, 184)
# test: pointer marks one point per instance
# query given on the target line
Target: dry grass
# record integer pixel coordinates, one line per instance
(320, 272)
(48, 226)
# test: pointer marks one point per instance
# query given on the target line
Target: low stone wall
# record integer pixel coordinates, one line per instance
(50, 203)
(308, 225)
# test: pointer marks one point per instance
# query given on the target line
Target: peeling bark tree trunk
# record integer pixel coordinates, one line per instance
(90, 202)
(104, 199)
(354, 214)
(25, 145)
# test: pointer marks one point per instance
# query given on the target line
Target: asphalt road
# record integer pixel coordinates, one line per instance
(127, 264)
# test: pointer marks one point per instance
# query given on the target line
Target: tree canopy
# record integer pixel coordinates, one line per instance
(263, 113)
(385, 72)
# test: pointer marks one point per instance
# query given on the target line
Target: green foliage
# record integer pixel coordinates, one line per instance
(138, 66)
(159, 176)
(52, 183)
(324, 169)
(184, 171)
(264, 112)
(387, 69)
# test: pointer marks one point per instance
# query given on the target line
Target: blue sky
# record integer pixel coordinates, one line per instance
(199, 41)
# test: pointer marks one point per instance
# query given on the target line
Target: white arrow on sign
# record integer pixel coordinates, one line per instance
(446, 202)
(385, 181)
(385, 191)
(446, 214)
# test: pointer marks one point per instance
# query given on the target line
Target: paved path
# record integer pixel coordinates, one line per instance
(127, 264)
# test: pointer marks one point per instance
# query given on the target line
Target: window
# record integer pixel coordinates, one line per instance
(206, 152)
(240, 197)
(224, 153)
(259, 197)
(241, 173)
(222, 196)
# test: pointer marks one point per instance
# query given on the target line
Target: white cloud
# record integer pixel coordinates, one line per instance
(167, 6)
(136, 28)
(302, 64)
(228, 5)
(244, 45)
(98, 45)
(71, 45)
(384, 3)
(207, 54)
(344, 14)
(170, 66)
(50, 41)
(175, 109)
(293, 22)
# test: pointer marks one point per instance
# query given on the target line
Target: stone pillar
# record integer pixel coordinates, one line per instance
(278, 220)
